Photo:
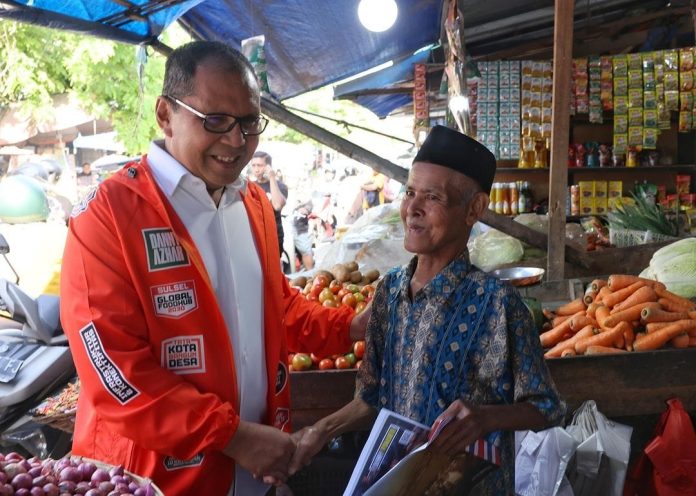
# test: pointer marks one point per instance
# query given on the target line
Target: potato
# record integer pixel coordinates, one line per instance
(351, 266)
(340, 272)
(371, 275)
(300, 282)
(356, 276)
(364, 281)
(325, 273)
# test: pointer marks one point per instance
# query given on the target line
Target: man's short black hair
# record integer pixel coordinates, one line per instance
(180, 69)
(264, 155)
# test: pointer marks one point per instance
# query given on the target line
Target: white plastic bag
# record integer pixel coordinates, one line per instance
(601, 458)
(541, 462)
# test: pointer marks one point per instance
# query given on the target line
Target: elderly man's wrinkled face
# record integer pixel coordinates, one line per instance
(437, 211)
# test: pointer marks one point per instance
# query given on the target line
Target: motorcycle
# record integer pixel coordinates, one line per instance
(35, 359)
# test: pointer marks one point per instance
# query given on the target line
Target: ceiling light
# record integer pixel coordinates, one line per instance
(377, 15)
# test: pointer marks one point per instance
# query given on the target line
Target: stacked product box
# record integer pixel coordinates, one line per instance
(487, 112)
(498, 113)
(614, 193)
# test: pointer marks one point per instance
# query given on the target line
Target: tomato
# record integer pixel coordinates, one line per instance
(330, 303)
(367, 290)
(342, 363)
(316, 291)
(301, 361)
(325, 294)
(307, 288)
(335, 286)
(353, 288)
(359, 349)
(341, 293)
(290, 356)
(359, 297)
(322, 281)
(326, 364)
(349, 299)
(360, 306)
(351, 358)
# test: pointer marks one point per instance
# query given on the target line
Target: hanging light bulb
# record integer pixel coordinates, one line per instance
(377, 15)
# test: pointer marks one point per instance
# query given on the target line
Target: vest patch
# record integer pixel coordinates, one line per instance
(184, 354)
(281, 377)
(174, 300)
(175, 464)
(108, 372)
(282, 417)
(163, 250)
(82, 205)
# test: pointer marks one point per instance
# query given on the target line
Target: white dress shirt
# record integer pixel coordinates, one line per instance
(223, 236)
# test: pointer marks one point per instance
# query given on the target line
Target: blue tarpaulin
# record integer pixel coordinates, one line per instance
(308, 43)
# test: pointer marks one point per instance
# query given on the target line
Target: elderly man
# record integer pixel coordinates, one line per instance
(445, 339)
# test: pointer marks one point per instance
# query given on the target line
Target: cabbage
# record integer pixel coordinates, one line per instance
(494, 248)
(674, 265)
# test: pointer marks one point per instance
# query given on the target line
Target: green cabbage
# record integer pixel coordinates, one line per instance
(674, 265)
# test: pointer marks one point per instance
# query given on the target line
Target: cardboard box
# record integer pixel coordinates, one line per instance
(586, 189)
(615, 189)
(587, 206)
(600, 190)
(600, 205)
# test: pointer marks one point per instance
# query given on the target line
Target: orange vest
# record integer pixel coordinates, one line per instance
(158, 386)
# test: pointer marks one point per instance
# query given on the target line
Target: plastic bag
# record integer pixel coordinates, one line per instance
(254, 50)
(600, 461)
(541, 462)
(667, 466)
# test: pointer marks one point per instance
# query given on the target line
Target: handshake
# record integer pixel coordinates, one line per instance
(272, 454)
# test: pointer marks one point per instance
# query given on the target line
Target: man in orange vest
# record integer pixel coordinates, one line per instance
(178, 316)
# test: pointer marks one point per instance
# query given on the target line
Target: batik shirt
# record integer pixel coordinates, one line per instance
(465, 335)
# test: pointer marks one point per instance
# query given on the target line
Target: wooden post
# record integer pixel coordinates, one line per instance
(279, 113)
(558, 176)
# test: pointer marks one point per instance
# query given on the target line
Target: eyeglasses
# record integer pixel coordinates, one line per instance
(224, 123)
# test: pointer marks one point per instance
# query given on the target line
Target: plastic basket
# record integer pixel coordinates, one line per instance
(621, 238)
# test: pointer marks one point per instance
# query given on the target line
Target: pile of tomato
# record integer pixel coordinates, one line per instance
(332, 293)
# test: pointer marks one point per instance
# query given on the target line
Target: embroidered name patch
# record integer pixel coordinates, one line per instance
(174, 300)
(163, 250)
(175, 464)
(184, 354)
(81, 206)
(108, 372)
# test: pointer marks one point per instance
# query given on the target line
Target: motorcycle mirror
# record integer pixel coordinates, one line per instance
(4, 246)
(25, 309)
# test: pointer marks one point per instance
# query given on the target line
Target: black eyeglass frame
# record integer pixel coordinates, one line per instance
(242, 121)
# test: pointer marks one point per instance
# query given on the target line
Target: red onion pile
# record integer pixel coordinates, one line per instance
(67, 476)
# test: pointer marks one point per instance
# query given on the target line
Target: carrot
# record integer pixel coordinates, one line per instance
(589, 296)
(628, 314)
(601, 314)
(659, 338)
(681, 301)
(569, 344)
(601, 350)
(603, 291)
(680, 341)
(577, 322)
(641, 295)
(555, 335)
(591, 309)
(672, 305)
(620, 281)
(559, 320)
(692, 314)
(604, 338)
(568, 352)
(654, 326)
(598, 284)
(629, 337)
(548, 314)
(648, 315)
(615, 297)
(571, 307)
(692, 341)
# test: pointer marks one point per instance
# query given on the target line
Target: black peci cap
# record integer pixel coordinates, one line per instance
(449, 148)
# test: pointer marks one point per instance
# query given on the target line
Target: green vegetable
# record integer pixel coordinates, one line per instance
(644, 215)
(675, 266)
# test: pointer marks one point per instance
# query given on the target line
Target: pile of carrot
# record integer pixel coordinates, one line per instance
(620, 314)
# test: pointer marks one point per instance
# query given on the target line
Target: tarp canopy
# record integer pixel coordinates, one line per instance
(312, 43)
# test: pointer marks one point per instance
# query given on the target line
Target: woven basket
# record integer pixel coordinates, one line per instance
(140, 480)
(621, 238)
(58, 411)
(64, 421)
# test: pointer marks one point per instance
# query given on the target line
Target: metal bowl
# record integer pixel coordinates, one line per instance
(520, 276)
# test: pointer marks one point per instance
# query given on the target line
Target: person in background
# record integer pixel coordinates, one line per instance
(86, 179)
(301, 234)
(277, 192)
(178, 316)
(373, 190)
(446, 340)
